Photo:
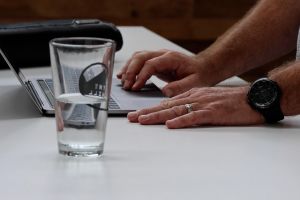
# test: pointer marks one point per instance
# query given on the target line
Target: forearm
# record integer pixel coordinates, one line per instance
(268, 31)
(289, 81)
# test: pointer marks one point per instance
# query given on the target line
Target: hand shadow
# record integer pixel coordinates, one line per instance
(16, 103)
(149, 90)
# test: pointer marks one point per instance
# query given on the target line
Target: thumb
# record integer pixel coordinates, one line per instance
(177, 87)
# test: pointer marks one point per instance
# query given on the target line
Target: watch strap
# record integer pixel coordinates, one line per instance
(273, 114)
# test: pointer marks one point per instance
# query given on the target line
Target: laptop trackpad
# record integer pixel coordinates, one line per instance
(148, 96)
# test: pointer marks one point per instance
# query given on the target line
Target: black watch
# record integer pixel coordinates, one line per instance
(264, 96)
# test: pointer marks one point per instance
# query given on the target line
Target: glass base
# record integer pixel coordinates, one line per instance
(82, 151)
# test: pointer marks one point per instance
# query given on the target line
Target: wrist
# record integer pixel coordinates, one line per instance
(211, 73)
(287, 77)
(286, 107)
(222, 63)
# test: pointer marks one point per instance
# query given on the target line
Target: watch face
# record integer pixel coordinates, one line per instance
(263, 93)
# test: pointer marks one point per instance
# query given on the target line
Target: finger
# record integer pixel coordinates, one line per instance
(153, 66)
(123, 70)
(162, 116)
(123, 79)
(122, 76)
(133, 116)
(122, 73)
(165, 104)
(136, 64)
(180, 86)
(119, 74)
(201, 117)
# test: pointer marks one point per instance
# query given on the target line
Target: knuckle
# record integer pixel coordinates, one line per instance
(165, 104)
(136, 53)
(186, 121)
(193, 91)
(159, 117)
(148, 63)
(143, 111)
(140, 55)
(177, 111)
(172, 54)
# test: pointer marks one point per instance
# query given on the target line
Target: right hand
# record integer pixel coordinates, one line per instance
(182, 72)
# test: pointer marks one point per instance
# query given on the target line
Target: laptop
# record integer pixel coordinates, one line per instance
(121, 102)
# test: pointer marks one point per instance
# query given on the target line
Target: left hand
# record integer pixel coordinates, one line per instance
(210, 106)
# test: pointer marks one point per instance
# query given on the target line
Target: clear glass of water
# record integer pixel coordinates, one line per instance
(82, 73)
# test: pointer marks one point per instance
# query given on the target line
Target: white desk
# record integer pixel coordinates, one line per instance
(144, 162)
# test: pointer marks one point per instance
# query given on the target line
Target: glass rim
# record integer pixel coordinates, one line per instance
(62, 42)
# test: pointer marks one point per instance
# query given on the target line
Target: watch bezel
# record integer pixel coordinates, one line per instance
(254, 89)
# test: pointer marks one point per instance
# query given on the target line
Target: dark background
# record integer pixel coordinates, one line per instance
(193, 24)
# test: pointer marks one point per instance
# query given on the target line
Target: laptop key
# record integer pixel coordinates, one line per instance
(113, 104)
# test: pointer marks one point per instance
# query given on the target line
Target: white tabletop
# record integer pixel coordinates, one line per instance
(144, 162)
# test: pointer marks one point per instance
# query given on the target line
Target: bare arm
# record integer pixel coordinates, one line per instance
(289, 82)
(221, 105)
(267, 32)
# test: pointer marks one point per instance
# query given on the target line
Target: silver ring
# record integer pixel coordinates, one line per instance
(188, 107)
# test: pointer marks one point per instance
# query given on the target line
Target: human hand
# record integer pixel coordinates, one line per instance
(182, 72)
(210, 106)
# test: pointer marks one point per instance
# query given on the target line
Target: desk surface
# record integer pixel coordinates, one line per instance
(144, 162)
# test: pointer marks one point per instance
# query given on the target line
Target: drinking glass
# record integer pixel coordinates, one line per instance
(82, 74)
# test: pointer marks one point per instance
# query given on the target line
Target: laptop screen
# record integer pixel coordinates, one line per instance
(14, 68)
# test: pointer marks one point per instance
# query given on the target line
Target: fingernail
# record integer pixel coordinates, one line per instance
(126, 85)
(134, 87)
(168, 92)
(170, 124)
(143, 118)
(132, 116)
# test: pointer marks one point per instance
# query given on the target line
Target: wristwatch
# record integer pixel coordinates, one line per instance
(264, 96)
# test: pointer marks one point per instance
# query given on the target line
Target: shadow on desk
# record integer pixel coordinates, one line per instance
(16, 104)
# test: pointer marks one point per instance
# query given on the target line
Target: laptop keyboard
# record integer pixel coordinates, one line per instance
(47, 86)
(48, 92)
(81, 113)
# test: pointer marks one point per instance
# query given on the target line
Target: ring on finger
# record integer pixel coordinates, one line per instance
(189, 107)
